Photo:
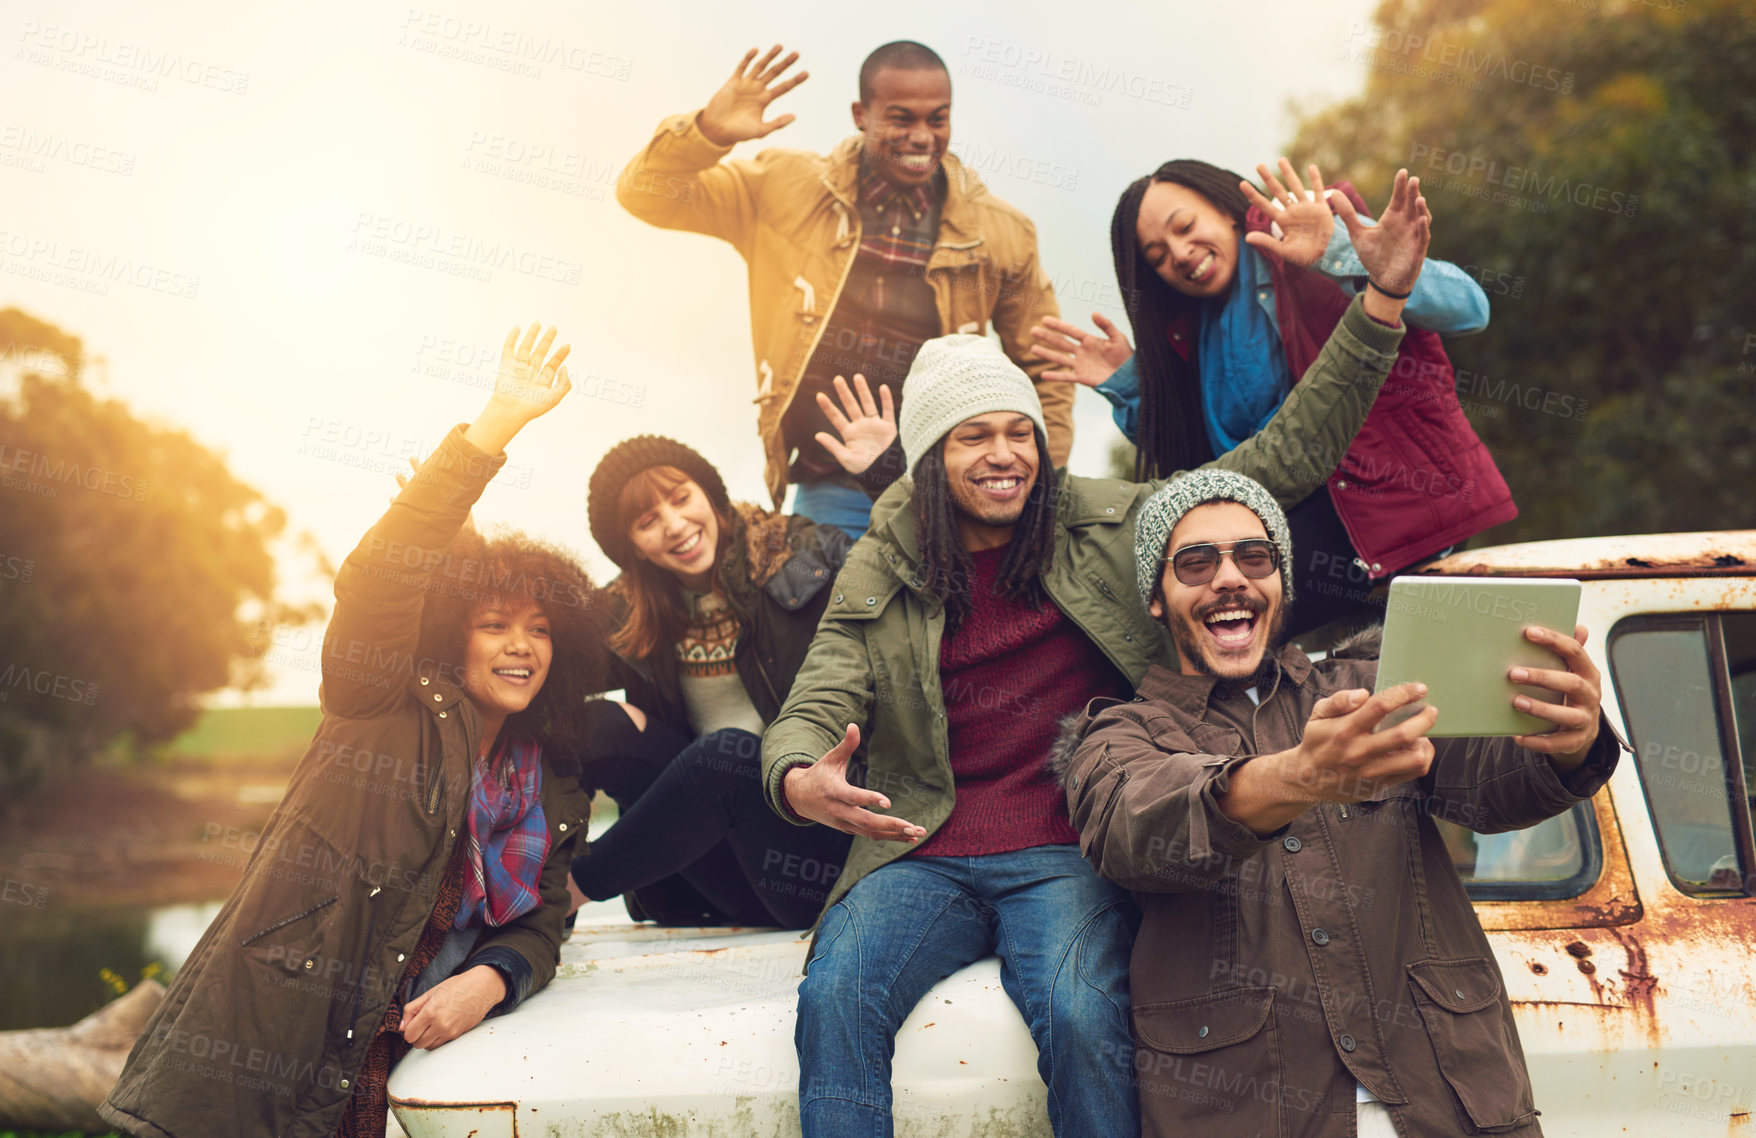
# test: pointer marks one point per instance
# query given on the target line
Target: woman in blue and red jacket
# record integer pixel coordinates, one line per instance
(1232, 295)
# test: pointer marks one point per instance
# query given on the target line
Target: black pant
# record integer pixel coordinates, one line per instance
(1329, 585)
(694, 808)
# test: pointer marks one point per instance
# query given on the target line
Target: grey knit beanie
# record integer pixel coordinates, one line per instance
(955, 378)
(1161, 513)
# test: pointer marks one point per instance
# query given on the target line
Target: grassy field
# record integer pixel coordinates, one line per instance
(254, 735)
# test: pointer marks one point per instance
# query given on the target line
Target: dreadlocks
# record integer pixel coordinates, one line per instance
(1172, 431)
(945, 564)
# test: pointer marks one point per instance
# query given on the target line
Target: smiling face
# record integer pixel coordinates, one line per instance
(991, 466)
(906, 123)
(1191, 243)
(506, 656)
(678, 531)
(1221, 628)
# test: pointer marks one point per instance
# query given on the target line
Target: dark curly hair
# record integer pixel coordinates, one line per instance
(511, 568)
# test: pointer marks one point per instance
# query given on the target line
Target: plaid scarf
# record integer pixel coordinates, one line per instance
(508, 836)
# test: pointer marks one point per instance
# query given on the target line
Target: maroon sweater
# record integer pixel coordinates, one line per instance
(1009, 674)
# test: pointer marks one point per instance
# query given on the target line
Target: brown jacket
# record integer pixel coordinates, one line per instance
(794, 218)
(1273, 973)
(265, 1027)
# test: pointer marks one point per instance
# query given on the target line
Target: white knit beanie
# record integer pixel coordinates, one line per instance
(955, 378)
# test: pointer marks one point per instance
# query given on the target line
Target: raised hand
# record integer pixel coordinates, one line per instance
(1084, 358)
(1394, 250)
(734, 114)
(822, 793)
(1342, 757)
(1581, 686)
(1303, 215)
(866, 432)
(531, 382)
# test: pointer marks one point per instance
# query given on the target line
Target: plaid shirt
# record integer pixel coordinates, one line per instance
(885, 313)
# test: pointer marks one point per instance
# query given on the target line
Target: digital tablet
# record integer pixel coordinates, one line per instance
(1460, 636)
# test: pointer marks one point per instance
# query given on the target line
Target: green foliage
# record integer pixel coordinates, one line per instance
(1620, 272)
(134, 567)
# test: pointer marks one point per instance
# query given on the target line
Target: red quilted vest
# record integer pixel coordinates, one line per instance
(1417, 479)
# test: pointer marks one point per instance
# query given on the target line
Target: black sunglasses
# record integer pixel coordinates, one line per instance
(1255, 557)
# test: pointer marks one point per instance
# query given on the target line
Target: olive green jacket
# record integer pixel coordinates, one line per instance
(875, 659)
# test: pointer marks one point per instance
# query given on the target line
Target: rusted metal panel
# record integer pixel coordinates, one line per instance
(1723, 553)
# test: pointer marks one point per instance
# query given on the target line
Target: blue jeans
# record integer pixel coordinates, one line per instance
(831, 504)
(1063, 936)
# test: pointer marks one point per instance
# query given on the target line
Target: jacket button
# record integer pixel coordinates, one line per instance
(344, 1084)
(310, 964)
(871, 600)
(400, 957)
(838, 598)
(1458, 992)
(1318, 936)
(1292, 844)
(1377, 568)
(1203, 1032)
(437, 698)
(1348, 1042)
(1109, 509)
(1075, 783)
(442, 715)
(1221, 691)
(1341, 484)
(562, 827)
(425, 681)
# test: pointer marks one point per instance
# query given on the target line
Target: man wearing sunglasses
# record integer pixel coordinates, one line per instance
(1308, 961)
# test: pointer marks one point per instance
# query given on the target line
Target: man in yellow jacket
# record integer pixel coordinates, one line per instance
(856, 257)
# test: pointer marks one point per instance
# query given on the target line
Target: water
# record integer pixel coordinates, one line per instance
(57, 964)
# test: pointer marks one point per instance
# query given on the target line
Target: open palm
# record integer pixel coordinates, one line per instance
(734, 114)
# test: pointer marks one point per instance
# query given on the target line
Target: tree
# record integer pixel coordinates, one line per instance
(133, 565)
(1596, 181)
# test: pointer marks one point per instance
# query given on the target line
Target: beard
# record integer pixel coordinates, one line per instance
(1193, 647)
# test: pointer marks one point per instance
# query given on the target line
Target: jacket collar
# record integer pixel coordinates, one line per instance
(436, 690)
(1190, 695)
(1084, 501)
(958, 227)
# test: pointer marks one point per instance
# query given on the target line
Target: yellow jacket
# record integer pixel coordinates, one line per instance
(794, 217)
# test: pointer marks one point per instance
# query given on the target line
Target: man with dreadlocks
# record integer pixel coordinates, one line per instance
(856, 257)
(991, 596)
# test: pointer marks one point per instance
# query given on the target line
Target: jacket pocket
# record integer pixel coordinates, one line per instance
(292, 939)
(1219, 1052)
(1472, 1036)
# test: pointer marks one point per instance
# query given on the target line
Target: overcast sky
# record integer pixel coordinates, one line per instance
(246, 210)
